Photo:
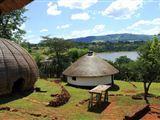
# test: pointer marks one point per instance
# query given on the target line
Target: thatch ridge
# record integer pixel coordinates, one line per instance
(9, 5)
(90, 66)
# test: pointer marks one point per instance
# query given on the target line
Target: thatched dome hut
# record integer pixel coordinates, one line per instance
(18, 71)
(90, 70)
(9, 5)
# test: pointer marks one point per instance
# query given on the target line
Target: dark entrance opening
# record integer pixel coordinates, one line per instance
(18, 86)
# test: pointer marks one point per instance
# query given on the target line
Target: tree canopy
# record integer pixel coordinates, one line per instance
(149, 63)
(11, 25)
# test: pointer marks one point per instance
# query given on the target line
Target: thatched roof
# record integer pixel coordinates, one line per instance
(9, 5)
(15, 63)
(90, 66)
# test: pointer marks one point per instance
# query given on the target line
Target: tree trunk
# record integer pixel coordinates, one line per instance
(58, 63)
(146, 89)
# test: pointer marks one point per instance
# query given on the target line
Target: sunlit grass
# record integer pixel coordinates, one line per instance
(70, 111)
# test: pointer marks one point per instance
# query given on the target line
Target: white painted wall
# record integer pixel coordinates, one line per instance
(90, 81)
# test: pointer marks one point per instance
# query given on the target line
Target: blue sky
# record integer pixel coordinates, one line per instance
(80, 18)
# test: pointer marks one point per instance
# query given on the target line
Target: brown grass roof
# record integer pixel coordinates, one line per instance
(15, 63)
(9, 5)
(90, 66)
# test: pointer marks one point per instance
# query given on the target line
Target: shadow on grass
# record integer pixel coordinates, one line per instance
(140, 96)
(82, 87)
(114, 88)
(38, 89)
(99, 108)
(14, 96)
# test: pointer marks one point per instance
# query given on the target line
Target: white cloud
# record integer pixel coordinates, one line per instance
(140, 23)
(35, 39)
(32, 38)
(122, 9)
(63, 26)
(44, 30)
(53, 9)
(77, 4)
(96, 30)
(146, 26)
(80, 16)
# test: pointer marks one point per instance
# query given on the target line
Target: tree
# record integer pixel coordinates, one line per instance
(75, 53)
(123, 64)
(57, 49)
(10, 25)
(149, 64)
(123, 60)
(27, 46)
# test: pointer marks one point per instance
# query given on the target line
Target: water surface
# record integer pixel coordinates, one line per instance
(133, 55)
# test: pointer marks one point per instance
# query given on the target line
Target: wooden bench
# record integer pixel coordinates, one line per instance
(101, 91)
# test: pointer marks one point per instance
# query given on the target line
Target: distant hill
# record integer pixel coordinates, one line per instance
(114, 38)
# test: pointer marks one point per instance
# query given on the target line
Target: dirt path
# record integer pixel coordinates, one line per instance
(109, 113)
(154, 114)
(112, 112)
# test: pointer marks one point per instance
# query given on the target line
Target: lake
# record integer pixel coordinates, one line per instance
(133, 55)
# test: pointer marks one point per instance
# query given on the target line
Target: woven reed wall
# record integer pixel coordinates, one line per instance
(15, 63)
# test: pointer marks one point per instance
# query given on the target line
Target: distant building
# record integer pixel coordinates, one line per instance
(90, 70)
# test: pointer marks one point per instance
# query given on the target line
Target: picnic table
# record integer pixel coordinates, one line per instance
(100, 91)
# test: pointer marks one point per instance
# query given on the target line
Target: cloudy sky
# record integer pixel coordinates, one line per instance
(80, 18)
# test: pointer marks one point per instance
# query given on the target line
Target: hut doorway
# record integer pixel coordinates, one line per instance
(18, 86)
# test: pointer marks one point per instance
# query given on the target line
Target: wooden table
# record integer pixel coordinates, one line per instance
(98, 91)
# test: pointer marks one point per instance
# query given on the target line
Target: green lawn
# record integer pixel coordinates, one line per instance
(127, 88)
(34, 102)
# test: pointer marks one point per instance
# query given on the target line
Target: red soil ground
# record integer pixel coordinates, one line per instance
(112, 112)
(154, 114)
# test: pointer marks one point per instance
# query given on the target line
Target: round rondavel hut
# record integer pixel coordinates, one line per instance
(18, 71)
(90, 70)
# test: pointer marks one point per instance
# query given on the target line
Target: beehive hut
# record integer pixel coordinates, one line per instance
(18, 71)
(90, 70)
(9, 5)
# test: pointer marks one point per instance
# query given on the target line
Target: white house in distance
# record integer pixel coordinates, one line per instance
(90, 70)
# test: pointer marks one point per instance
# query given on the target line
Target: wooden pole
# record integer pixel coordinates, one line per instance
(106, 96)
(90, 101)
(112, 78)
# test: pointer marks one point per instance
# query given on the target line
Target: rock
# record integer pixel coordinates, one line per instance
(60, 99)
(111, 95)
(36, 115)
(5, 108)
(137, 97)
(77, 105)
(45, 116)
(37, 89)
(54, 95)
(14, 110)
(55, 118)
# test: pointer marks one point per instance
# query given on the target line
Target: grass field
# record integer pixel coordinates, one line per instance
(35, 102)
